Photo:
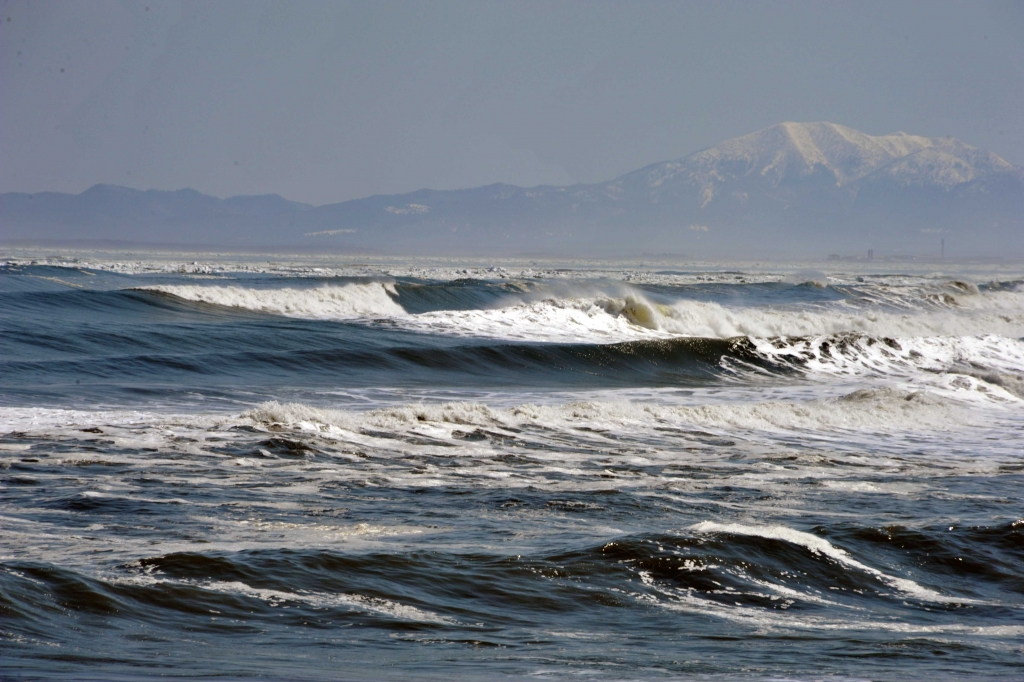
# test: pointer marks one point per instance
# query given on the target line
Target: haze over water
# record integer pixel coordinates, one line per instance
(324, 468)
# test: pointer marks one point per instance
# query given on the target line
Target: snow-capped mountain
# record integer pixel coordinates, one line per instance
(790, 189)
(821, 155)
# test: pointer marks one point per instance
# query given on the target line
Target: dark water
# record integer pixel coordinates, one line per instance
(569, 474)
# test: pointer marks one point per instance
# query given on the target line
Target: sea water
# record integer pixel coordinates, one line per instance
(317, 468)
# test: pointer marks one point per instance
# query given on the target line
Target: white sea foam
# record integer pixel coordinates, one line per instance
(42, 419)
(51, 420)
(874, 410)
(855, 415)
(955, 362)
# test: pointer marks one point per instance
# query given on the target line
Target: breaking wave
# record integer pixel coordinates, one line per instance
(820, 546)
(626, 316)
(971, 337)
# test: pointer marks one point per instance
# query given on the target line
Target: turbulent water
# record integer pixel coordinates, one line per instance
(335, 470)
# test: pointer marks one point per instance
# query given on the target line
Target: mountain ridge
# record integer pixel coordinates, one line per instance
(792, 186)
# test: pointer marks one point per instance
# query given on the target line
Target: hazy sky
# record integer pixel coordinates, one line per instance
(323, 102)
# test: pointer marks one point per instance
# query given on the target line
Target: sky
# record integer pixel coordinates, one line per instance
(328, 101)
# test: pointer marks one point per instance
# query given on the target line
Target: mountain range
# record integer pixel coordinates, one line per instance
(789, 190)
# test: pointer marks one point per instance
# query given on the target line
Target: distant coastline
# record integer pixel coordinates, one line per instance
(793, 190)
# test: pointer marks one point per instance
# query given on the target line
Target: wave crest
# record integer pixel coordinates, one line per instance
(355, 300)
(631, 315)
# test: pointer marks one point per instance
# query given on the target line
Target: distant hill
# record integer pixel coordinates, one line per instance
(109, 213)
(793, 189)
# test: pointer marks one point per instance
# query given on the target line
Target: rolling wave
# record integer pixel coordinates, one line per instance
(629, 315)
(987, 368)
(773, 577)
(972, 336)
(952, 336)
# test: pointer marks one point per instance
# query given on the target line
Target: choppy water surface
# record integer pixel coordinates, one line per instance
(349, 471)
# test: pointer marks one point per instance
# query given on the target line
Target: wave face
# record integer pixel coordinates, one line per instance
(331, 470)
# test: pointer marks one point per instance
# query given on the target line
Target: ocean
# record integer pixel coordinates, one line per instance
(326, 468)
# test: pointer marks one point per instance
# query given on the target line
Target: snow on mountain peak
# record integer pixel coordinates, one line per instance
(793, 150)
(789, 153)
